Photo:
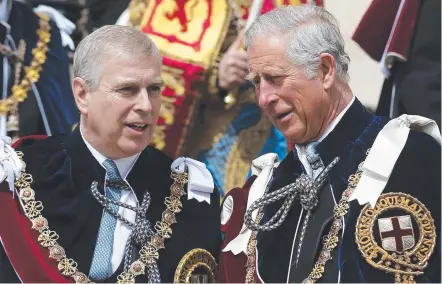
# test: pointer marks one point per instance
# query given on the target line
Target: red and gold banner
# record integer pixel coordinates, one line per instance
(298, 2)
(189, 35)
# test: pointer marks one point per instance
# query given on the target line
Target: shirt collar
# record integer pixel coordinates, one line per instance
(335, 121)
(124, 165)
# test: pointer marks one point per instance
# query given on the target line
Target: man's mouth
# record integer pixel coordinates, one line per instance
(137, 126)
(281, 116)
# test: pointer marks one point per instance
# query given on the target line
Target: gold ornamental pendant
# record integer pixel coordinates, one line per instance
(197, 266)
(397, 236)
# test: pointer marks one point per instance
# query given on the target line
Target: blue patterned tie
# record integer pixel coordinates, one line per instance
(101, 267)
(314, 159)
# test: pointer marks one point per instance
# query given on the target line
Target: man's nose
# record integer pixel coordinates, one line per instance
(143, 101)
(266, 94)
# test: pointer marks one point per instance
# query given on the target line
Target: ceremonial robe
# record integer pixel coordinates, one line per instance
(417, 172)
(53, 84)
(63, 170)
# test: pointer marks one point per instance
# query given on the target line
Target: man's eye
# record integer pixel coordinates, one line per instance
(128, 89)
(271, 79)
(274, 80)
(154, 89)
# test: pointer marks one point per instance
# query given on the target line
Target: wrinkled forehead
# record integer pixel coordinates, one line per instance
(143, 68)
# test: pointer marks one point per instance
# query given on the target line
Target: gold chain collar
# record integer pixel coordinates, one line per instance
(330, 241)
(32, 72)
(67, 266)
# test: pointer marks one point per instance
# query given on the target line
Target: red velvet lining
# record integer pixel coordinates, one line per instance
(232, 267)
(30, 260)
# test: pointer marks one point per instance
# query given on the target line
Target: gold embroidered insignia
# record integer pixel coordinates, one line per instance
(401, 244)
(197, 266)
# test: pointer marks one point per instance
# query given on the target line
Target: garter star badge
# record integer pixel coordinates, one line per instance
(197, 266)
(396, 236)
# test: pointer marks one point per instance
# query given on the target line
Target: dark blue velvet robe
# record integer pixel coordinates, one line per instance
(54, 85)
(63, 170)
(417, 172)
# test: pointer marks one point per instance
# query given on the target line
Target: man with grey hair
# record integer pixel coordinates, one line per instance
(358, 198)
(100, 204)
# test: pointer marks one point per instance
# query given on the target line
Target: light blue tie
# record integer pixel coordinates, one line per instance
(314, 159)
(101, 267)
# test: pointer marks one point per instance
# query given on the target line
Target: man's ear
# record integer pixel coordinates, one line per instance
(80, 94)
(328, 68)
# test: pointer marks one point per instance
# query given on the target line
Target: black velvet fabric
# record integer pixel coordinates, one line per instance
(417, 172)
(63, 171)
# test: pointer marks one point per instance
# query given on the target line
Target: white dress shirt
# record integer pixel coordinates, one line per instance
(302, 149)
(122, 231)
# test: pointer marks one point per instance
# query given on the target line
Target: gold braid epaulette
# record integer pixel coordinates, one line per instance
(32, 72)
(68, 266)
